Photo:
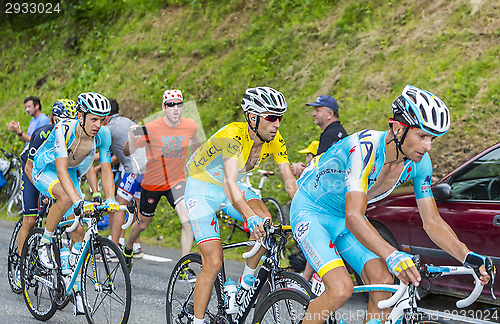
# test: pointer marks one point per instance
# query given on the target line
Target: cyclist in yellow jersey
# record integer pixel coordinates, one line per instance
(214, 171)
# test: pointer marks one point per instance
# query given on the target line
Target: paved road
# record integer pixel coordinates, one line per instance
(149, 280)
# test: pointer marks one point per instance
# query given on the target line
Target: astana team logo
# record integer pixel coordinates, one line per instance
(301, 230)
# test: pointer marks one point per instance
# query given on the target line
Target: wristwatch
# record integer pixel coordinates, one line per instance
(20, 134)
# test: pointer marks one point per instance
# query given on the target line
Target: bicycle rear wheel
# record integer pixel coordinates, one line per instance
(106, 288)
(37, 282)
(14, 259)
(181, 288)
(282, 306)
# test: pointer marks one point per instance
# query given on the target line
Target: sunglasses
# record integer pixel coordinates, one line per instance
(273, 118)
(173, 104)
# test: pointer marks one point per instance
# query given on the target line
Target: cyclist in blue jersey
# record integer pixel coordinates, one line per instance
(327, 212)
(69, 149)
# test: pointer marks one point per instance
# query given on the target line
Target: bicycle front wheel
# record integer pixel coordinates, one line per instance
(106, 288)
(180, 307)
(286, 279)
(13, 259)
(282, 306)
(37, 282)
(15, 205)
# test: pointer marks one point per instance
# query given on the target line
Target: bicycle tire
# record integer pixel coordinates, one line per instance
(276, 209)
(36, 292)
(107, 297)
(282, 306)
(286, 279)
(13, 258)
(180, 292)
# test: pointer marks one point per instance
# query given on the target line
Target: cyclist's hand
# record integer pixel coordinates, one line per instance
(256, 226)
(96, 197)
(83, 207)
(402, 266)
(113, 205)
(478, 262)
(298, 168)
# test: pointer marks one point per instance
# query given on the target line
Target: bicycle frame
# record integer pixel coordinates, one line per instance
(270, 266)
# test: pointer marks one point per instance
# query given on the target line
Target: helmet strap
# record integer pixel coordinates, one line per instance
(399, 143)
(83, 124)
(256, 127)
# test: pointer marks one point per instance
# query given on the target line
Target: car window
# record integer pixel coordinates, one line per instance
(480, 180)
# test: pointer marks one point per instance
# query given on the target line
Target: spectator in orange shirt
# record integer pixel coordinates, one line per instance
(166, 140)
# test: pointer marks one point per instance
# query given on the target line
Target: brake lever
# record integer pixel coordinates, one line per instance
(490, 268)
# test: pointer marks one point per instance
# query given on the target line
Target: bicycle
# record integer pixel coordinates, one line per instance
(404, 299)
(105, 286)
(10, 166)
(270, 277)
(272, 205)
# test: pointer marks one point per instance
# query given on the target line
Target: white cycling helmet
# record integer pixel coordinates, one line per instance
(422, 109)
(94, 103)
(263, 101)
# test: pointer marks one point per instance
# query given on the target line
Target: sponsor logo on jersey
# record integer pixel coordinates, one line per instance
(301, 230)
(179, 186)
(366, 144)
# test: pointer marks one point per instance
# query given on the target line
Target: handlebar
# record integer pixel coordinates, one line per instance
(443, 271)
(132, 209)
(270, 229)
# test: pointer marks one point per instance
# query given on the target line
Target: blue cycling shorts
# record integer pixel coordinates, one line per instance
(202, 201)
(323, 237)
(30, 195)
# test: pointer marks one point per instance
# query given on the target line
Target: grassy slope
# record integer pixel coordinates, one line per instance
(362, 52)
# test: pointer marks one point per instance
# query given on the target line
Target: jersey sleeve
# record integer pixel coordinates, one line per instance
(361, 160)
(278, 149)
(423, 178)
(104, 144)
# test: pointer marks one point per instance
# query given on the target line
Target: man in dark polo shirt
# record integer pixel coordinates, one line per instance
(326, 116)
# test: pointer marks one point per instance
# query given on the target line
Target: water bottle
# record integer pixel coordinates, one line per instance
(246, 283)
(65, 268)
(75, 250)
(230, 291)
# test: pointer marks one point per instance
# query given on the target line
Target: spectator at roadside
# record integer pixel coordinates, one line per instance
(326, 116)
(310, 152)
(166, 140)
(33, 107)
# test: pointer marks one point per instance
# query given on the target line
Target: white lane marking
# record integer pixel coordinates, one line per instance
(156, 258)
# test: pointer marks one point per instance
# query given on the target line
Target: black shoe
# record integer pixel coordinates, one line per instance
(128, 254)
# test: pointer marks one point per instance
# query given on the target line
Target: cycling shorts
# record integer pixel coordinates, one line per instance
(150, 199)
(130, 186)
(323, 237)
(29, 194)
(203, 199)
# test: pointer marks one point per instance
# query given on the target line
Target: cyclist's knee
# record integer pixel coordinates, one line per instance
(29, 222)
(338, 290)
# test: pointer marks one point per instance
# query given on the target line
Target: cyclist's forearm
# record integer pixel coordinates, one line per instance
(443, 236)
(237, 199)
(129, 148)
(108, 185)
(439, 231)
(288, 179)
(92, 179)
(28, 169)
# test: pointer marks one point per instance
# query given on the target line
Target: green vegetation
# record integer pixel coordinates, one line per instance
(361, 52)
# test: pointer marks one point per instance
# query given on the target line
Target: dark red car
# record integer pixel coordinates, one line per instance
(468, 199)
